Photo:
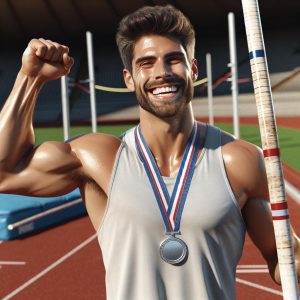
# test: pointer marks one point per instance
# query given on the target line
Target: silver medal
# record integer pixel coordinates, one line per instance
(174, 251)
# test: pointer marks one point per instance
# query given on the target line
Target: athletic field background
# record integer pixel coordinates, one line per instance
(289, 139)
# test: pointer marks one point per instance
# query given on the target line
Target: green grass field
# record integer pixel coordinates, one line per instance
(289, 139)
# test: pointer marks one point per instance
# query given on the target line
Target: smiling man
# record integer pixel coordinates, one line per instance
(160, 75)
(172, 200)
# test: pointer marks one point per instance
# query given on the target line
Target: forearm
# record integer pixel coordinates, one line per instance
(16, 128)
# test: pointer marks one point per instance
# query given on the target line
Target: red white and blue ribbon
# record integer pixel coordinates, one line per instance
(171, 208)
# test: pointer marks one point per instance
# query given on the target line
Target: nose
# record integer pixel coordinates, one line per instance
(161, 70)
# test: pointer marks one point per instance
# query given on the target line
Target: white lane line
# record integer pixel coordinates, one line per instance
(251, 266)
(258, 286)
(49, 268)
(292, 191)
(248, 271)
(12, 263)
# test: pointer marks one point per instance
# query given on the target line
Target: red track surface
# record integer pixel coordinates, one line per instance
(81, 275)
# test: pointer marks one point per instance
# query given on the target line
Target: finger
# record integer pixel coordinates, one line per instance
(58, 53)
(50, 50)
(68, 61)
(36, 47)
(65, 50)
(62, 49)
(69, 66)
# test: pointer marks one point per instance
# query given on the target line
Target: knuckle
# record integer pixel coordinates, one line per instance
(59, 48)
(65, 48)
(33, 42)
(42, 47)
(51, 48)
(56, 44)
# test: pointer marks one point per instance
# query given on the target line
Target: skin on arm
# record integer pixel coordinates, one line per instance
(52, 168)
(245, 168)
(97, 153)
(24, 168)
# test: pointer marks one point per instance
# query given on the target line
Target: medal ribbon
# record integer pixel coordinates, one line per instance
(171, 208)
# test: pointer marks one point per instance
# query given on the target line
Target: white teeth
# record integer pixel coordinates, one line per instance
(166, 89)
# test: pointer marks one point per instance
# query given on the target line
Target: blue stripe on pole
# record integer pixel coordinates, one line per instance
(256, 53)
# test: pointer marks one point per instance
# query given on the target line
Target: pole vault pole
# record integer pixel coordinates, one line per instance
(65, 106)
(234, 74)
(270, 145)
(209, 89)
(90, 57)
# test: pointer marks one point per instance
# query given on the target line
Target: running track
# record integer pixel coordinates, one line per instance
(65, 263)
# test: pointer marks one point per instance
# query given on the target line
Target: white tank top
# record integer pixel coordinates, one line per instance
(133, 229)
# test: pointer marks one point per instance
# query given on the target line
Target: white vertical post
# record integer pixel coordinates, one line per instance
(91, 80)
(65, 106)
(234, 75)
(209, 89)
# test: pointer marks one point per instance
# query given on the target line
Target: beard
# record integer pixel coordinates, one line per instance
(165, 109)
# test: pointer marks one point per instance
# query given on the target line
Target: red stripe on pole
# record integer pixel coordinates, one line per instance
(279, 206)
(281, 218)
(271, 152)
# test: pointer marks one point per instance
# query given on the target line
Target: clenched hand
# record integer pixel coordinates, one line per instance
(46, 60)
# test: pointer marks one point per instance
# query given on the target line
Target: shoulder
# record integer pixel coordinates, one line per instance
(96, 153)
(88, 144)
(94, 138)
(239, 151)
(99, 144)
(245, 166)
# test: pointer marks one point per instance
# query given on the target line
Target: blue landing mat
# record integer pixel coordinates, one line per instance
(15, 208)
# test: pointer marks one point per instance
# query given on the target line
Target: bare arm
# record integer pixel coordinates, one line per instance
(24, 168)
(245, 167)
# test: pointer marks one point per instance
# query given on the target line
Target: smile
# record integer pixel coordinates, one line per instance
(165, 90)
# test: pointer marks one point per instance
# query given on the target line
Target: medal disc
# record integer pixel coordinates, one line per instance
(173, 251)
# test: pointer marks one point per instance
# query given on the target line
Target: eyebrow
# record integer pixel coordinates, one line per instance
(152, 57)
(175, 53)
(143, 58)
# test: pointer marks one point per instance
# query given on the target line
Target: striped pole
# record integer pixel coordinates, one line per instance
(270, 145)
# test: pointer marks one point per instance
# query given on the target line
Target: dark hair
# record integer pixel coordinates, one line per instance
(160, 20)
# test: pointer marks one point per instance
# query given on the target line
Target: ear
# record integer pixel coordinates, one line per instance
(194, 69)
(128, 80)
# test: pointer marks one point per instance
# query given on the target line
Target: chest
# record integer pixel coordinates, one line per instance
(208, 204)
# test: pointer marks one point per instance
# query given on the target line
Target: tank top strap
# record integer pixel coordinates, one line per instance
(213, 138)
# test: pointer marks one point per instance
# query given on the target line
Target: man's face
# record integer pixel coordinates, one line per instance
(162, 76)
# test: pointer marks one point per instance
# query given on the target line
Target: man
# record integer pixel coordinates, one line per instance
(172, 200)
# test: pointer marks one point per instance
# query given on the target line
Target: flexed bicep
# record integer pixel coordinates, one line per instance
(50, 169)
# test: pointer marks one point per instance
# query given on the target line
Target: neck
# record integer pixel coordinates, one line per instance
(167, 138)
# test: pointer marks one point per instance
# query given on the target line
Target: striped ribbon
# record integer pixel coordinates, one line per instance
(171, 208)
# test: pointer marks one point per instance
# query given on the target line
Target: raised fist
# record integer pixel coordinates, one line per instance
(46, 60)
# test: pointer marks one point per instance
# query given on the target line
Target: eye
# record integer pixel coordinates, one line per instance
(146, 64)
(174, 60)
